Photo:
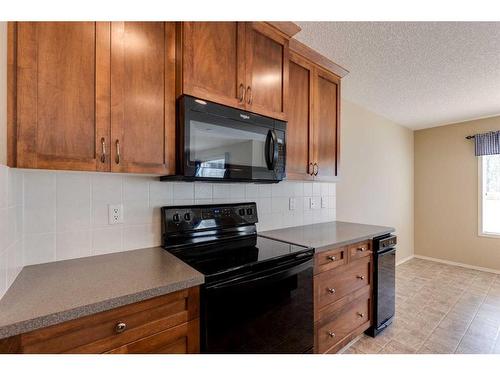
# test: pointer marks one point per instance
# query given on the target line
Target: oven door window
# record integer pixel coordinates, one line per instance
(218, 147)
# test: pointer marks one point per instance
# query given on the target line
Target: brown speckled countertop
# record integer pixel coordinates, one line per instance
(324, 236)
(52, 293)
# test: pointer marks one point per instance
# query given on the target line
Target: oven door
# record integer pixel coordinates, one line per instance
(270, 312)
(225, 143)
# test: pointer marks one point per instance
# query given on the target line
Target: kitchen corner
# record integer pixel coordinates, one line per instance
(51, 295)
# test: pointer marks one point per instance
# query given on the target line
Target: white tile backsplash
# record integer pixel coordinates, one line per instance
(11, 226)
(39, 248)
(55, 215)
(75, 244)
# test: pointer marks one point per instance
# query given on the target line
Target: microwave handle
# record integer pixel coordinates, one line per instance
(271, 157)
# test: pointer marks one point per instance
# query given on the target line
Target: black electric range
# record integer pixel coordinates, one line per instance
(257, 296)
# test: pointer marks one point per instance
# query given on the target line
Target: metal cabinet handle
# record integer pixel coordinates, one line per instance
(332, 258)
(361, 248)
(315, 169)
(331, 290)
(361, 315)
(117, 159)
(103, 147)
(361, 277)
(249, 95)
(331, 334)
(241, 96)
(120, 327)
(310, 171)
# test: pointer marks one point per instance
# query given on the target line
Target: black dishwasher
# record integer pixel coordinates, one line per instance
(384, 283)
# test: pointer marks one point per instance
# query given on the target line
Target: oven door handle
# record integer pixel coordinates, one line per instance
(271, 153)
(265, 277)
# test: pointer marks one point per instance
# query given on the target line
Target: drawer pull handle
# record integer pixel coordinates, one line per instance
(331, 334)
(361, 277)
(361, 315)
(332, 258)
(120, 327)
(331, 290)
(361, 248)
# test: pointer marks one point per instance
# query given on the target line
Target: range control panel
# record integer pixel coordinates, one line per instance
(176, 219)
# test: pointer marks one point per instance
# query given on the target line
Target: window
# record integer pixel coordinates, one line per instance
(489, 182)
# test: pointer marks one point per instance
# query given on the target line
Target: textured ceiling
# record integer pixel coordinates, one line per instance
(417, 74)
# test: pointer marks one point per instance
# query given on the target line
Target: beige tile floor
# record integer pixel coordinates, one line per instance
(440, 309)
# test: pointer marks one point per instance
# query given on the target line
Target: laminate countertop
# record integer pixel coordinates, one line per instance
(51, 293)
(324, 236)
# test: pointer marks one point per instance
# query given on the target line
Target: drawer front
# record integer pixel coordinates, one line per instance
(181, 339)
(348, 320)
(359, 250)
(332, 285)
(327, 260)
(110, 329)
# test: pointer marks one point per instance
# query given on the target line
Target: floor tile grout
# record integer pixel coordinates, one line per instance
(472, 320)
(423, 283)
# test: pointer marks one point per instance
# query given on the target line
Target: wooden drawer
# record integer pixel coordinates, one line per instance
(332, 285)
(359, 250)
(180, 339)
(342, 324)
(327, 260)
(98, 333)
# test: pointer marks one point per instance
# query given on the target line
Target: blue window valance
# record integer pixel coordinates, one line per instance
(487, 143)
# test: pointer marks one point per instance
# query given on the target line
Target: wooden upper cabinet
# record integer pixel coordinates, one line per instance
(93, 96)
(60, 117)
(300, 116)
(266, 70)
(313, 132)
(143, 97)
(326, 125)
(239, 64)
(213, 65)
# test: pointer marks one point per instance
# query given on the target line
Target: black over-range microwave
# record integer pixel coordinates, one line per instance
(220, 143)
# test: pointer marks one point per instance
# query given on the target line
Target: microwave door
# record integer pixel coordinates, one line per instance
(224, 148)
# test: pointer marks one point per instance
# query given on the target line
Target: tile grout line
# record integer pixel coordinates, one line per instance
(474, 317)
(439, 322)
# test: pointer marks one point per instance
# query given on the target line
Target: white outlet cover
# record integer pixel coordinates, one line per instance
(115, 213)
(312, 203)
(292, 203)
(324, 202)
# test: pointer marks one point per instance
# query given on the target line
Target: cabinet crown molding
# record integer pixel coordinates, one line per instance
(317, 58)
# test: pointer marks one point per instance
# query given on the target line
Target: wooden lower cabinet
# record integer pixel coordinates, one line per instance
(165, 324)
(343, 325)
(342, 296)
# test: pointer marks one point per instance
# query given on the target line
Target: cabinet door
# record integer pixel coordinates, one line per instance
(143, 97)
(299, 127)
(213, 61)
(326, 125)
(266, 70)
(62, 94)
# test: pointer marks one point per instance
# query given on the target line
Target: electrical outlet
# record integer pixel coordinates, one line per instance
(115, 214)
(291, 204)
(312, 203)
(324, 202)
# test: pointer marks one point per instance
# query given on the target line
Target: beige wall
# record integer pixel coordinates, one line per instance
(446, 195)
(3, 92)
(376, 185)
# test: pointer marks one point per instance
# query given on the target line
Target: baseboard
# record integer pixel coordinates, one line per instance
(490, 270)
(404, 260)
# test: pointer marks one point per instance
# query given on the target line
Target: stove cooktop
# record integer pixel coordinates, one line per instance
(231, 256)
